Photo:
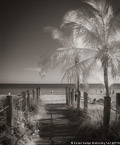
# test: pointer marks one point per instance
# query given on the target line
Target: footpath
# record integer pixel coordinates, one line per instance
(59, 127)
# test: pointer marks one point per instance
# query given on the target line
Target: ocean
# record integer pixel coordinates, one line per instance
(49, 93)
(45, 89)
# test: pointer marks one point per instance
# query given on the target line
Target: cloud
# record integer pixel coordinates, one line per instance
(37, 69)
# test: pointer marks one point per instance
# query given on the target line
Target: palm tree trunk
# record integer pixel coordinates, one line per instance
(78, 83)
(106, 81)
(78, 92)
(107, 102)
(77, 86)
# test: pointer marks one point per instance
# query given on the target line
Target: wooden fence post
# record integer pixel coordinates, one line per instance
(106, 118)
(78, 100)
(37, 93)
(24, 105)
(69, 95)
(10, 113)
(33, 95)
(118, 106)
(75, 104)
(28, 98)
(73, 97)
(85, 101)
(66, 96)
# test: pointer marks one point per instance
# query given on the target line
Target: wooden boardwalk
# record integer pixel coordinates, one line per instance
(59, 127)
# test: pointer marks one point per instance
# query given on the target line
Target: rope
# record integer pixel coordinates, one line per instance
(103, 105)
(4, 109)
(110, 108)
(20, 100)
(8, 106)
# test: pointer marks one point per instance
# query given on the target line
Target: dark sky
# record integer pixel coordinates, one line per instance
(22, 39)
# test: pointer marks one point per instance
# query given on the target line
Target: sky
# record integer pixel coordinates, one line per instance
(23, 40)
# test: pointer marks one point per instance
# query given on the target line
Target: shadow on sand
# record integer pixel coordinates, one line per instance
(60, 127)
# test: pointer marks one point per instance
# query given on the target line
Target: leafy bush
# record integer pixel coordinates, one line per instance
(25, 124)
(91, 127)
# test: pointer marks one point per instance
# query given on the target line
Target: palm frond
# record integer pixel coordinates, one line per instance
(83, 68)
(53, 59)
(103, 16)
(114, 25)
(69, 74)
(81, 25)
(99, 5)
(87, 67)
(114, 45)
(114, 62)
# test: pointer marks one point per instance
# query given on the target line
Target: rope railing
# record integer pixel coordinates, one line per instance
(23, 103)
(12, 104)
(4, 109)
(71, 100)
(47, 101)
(114, 110)
(103, 105)
(20, 100)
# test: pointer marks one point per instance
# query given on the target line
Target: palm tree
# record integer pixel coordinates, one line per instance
(99, 29)
(69, 56)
